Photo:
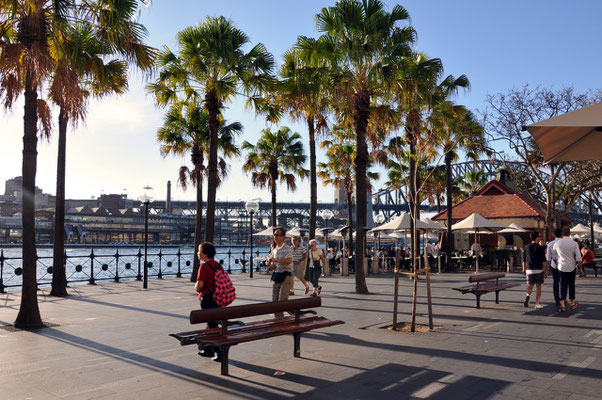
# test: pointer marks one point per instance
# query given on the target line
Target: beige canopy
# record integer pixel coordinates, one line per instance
(400, 223)
(513, 228)
(266, 232)
(574, 136)
(476, 222)
(580, 229)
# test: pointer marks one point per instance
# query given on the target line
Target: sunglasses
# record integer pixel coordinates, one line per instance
(278, 234)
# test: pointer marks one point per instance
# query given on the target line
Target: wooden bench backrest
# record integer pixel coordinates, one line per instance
(249, 310)
(485, 277)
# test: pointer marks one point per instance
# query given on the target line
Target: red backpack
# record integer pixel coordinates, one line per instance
(224, 293)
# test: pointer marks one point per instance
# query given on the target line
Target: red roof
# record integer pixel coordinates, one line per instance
(496, 200)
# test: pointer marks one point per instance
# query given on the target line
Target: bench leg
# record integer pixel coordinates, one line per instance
(478, 300)
(497, 297)
(224, 355)
(297, 340)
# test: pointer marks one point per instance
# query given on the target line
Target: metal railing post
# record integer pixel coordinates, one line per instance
(179, 273)
(1, 271)
(117, 266)
(92, 281)
(160, 274)
(139, 255)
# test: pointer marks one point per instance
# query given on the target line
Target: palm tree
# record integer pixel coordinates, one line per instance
(301, 93)
(186, 130)
(277, 156)
(360, 43)
(456, 129)
(81, 72)
(31, 33)
(212, 67)
(338, 170)
(473, 181)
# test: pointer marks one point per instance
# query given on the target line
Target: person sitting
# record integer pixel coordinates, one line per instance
(587, 256)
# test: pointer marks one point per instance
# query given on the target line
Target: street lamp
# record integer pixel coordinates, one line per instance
(327, 215)
(252, 207)
(147, 197)
(379, 219)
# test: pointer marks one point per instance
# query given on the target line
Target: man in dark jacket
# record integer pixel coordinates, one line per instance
(535, 268)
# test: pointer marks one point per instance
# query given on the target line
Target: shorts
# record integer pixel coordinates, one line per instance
(299, 270)
(532, 279)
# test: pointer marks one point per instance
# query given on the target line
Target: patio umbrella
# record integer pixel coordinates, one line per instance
(513, 228)
(580, 229)
(297, 231)
(269, 231)
(574, 136)
(432, 225)
(400, 223)
(477, 223)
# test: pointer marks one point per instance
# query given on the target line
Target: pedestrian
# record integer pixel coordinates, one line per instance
(299, 262)
(535, 268)
(280, 261)
(567, 255)
(587, 258)
(554, 267)
(315, 268)
(205, 286)
(329, 263)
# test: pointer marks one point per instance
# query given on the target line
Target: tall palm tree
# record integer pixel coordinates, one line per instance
(473, 181)
(212, 67)
(186, 130)
(80, 72)
(360, 43)
(31, 33)
(277, 156)
(302, 94)
(338, 170)
(456, 129)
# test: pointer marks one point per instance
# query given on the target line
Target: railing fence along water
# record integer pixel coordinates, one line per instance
(93, 265)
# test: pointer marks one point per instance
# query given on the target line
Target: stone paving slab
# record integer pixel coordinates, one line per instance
(110, 341)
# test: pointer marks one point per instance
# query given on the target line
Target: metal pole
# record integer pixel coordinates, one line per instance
(591, 224)
(251, 244)
(145, 278)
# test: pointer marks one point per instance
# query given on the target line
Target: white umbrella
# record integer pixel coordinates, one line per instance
(476, 222)
(401, 223)
(269, 231)
(580, 229)
(297, 231)
(513, 228)
(432, 225)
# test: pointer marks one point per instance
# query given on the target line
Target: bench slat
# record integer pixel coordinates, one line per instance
(241, 337)
(250, 310)
(485, 276)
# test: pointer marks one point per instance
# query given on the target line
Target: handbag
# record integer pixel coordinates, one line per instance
(278, 277)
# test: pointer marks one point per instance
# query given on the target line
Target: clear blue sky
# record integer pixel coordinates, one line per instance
(498, 45)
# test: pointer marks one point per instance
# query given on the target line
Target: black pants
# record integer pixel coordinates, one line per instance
(567, 281)
(207, 302)
(556, 284)
(314, 273)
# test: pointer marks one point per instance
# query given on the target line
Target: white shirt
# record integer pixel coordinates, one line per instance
(566, 254)
(549, 252)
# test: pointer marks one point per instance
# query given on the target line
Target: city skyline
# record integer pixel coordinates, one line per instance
(498, 46)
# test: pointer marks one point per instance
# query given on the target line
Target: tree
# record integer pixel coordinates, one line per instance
(186, 130)
(212, 67)
(359, 46)
(504, 119)
(277, 156)
(81, 72)
(302, 94)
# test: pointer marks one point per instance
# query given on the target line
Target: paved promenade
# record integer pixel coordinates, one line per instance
(110, 341)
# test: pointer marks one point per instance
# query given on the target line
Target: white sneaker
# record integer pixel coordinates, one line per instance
(538, 306)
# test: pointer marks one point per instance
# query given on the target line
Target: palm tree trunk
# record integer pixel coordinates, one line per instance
(362, 113)
(350, 219)
(274, 219)
(313, 191)
(412, 200)
(212, 104)
(29, 312)
(198, 227)
(59, 277)
(448, 195)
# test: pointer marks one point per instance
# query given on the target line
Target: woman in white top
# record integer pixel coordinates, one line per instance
(281, 262)
(315, 268)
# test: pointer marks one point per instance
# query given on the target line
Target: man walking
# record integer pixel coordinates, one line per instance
(535, 268)
(554, 267)
(567, 256)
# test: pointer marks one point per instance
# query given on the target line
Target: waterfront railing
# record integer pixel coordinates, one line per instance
(124, 264)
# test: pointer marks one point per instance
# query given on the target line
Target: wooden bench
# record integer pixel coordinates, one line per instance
(485, 283)
(597, 264)
(231, 333)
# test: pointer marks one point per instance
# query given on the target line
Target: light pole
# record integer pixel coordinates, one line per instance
(147, 197)
(327, 215)
(379, 219)
(252, 207)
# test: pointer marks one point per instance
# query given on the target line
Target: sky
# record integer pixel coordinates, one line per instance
(498, 45)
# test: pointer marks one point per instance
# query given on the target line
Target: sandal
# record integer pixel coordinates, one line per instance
(319, 290)
(307, 289)
(574, 306)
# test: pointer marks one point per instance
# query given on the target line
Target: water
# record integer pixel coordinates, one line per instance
(118, 263)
